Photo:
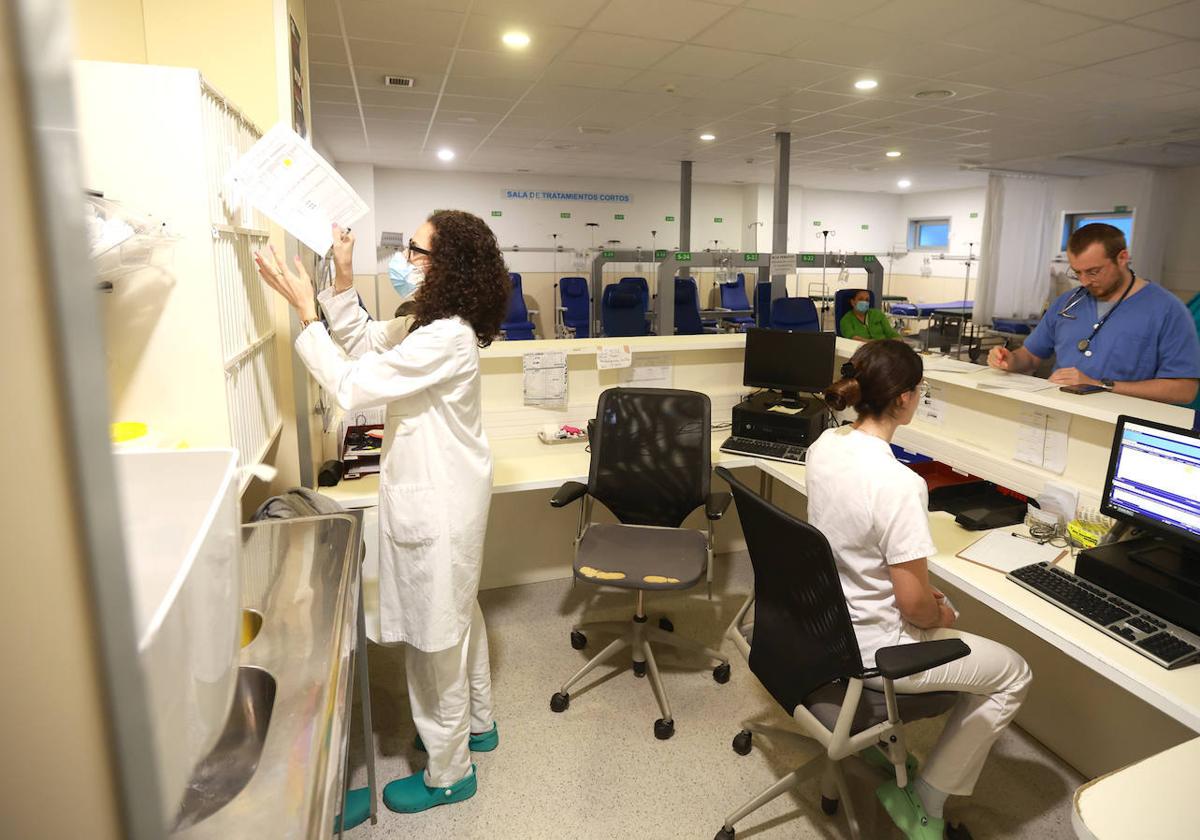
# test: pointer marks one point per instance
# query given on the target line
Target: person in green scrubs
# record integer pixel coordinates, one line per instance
(862, 323)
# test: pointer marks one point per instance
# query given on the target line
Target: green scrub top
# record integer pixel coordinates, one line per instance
(877, 326)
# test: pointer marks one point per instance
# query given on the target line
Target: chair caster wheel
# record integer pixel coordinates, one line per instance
(665, 624)
(743, 742)
(664, 729)
(721, 673)
(639, 669)
(578, 640)
(724, 834)
(560, 702)
(829, 806)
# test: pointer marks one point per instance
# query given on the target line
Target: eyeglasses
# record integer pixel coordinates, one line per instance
(1087, 274)
(414, 248)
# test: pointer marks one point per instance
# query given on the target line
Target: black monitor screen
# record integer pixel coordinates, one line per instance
(1154, 478)
(789, 361)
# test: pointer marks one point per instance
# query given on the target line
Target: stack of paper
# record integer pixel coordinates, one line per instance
(1002, 551)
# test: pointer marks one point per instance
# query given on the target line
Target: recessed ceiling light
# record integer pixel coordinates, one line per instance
(516, 40)
(708, 137)
(933, 94)
(866, 84)
(445, 154)
(904, 183)
(893, 154)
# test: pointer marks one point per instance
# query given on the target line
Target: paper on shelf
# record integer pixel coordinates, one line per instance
(1001, 551)
(996, 379)
(649, 370)
(614, 356)
(545, 379)
(1042, 439)
(294, 187)
(932, 408)
(948, 365)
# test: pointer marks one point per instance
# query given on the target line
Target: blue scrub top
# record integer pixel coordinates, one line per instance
(1151, 335)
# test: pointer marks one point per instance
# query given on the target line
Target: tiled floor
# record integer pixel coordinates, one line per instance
(596, 771)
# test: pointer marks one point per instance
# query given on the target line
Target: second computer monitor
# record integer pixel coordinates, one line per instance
(791, 362)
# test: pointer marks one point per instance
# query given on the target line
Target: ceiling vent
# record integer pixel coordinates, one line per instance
(399, 81)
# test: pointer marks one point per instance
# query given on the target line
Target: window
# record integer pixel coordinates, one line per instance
(1074, 221)
(928, 234)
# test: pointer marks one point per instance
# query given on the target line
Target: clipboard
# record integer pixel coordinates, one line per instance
(1001, 551)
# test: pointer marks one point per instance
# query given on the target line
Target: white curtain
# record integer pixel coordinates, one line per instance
(1151, 221)
(1014, 276)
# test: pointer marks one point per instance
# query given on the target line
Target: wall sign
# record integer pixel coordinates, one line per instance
(808, 258)
(669, 218)
(974, 216)
(683, 256)
(718, 219)
(817, 223)
(608, 255)
(749, 257)
(620, 217)
(496, 214)
(556, 195)
(564, 215)
(660, 254)
(865, 227)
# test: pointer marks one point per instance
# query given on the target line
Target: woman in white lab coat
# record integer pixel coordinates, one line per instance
(436, 474)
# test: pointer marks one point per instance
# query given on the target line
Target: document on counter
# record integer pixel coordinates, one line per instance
(294, 187)
(995, 379)
(1042, 439)
(948, 365)
(1001, 551)
(545, 379)
(649, 370)
(610, 358)
(932, 408)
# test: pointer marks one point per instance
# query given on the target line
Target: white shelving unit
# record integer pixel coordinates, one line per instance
(191, 340)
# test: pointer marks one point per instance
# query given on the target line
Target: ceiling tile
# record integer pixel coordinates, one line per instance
(486, 87)
(1114, 9)
(1109, 42)
(523, 13)
(844, 45)
(332, 93)
(937, 132)
(382, 113)
(401, 22)
(916, 58)
(322, 18)
(809, 100)
(931, 18)
(676, 20)
(588, 75)
(1163, 61)
(675, 84)
(754, 30)
(619, 50)
(329, 49)
(933, 116)
(497, 65)
(745, 92)
(335, 109)
(329, 74)
(874, 109)
(475, 104)
(1024, 23)
(1187, 77)
(405, 59)
(817, 9)
(399, 98)
(708, 61)
(1003, 72)
(1183, 19)
(790, 72)
(546, 41)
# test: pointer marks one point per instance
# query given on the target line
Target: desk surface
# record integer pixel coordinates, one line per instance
(1162, 786)
(1175, 693)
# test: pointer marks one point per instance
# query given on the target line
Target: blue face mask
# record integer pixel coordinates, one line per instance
(862, 306)
(405, 276)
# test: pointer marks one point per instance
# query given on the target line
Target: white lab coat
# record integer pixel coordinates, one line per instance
(436, 474)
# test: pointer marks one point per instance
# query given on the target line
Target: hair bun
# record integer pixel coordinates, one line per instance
(843, 393)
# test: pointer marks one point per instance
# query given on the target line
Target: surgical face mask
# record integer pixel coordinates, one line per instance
(405, 276)
(862, 305)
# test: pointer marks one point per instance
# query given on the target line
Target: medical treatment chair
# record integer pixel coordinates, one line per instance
(516, 325)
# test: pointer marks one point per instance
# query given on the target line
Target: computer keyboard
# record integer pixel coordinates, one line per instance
(1149, 635)
(769, 449)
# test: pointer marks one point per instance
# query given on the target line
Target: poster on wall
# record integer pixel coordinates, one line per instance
(299, 125)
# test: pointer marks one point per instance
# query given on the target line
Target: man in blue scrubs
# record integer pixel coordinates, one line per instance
(1116, 330)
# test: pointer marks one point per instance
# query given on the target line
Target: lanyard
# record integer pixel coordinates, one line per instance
(1085, 343)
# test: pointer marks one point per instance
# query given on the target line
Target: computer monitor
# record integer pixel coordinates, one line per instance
(1153, 483)
(791, 362)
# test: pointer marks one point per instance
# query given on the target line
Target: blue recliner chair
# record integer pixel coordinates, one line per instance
(762, 305)
(841, 305)
(621, 312)
(687, 307)
(795, 314)
(643, 288)
(733, 296)
(517, 326)
(576, 305)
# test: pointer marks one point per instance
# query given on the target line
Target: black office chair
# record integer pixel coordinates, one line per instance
(651, 468)
(803, 650)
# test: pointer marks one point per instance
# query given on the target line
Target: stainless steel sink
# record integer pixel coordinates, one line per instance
(227, 769)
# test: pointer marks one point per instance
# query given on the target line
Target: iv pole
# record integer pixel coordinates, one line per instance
(969, 259)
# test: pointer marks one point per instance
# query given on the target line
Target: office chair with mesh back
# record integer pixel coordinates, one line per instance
(650, 467)
(803, 650)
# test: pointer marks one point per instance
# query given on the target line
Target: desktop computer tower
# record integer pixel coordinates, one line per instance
(1152, 573)
(767, 416)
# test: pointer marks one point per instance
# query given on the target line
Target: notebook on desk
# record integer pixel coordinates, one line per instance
(1001, 551)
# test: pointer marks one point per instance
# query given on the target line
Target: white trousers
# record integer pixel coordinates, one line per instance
(993, 681)
(451, 696)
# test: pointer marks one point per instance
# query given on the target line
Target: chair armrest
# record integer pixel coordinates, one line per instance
(533, 311)
(905, 660)
(568, 493)
(716, 504)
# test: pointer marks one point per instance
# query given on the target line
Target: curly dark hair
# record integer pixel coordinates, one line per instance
(466, 278)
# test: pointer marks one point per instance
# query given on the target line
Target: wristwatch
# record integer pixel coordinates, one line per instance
(1107, 384)
(306, 322)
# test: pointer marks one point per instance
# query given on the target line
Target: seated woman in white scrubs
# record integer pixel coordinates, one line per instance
(436, 476)
(874, 512)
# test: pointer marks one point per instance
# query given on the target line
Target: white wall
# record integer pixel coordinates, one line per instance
(361, 178)
(1181, 271)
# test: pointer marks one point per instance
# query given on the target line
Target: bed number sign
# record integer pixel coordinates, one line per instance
(683, 256)
(749, 257)
(808, 258)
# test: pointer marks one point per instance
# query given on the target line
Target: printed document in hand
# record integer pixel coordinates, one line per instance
(995, 380)
(294, 187)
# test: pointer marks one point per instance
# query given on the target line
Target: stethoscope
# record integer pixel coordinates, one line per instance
(1077, 296)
